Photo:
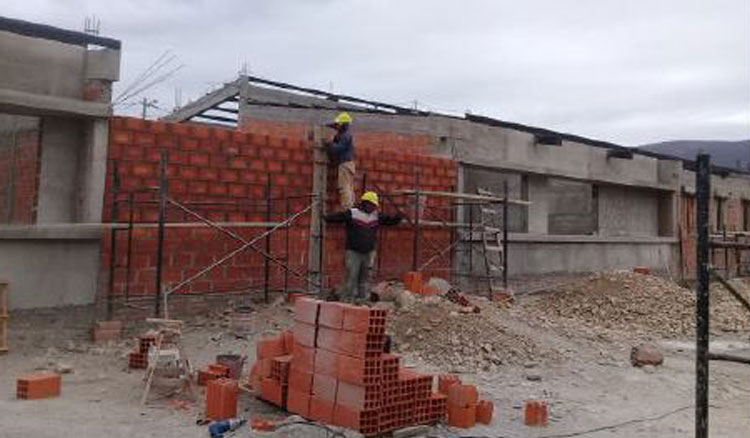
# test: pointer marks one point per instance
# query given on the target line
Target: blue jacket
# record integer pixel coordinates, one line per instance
(343, 146)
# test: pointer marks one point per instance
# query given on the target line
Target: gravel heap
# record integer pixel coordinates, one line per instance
(635, 305)
(440, 333)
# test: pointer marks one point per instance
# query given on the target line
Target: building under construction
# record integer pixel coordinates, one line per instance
(225, 195)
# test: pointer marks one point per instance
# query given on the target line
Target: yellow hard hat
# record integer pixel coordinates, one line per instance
(343, 118)
(371, 197)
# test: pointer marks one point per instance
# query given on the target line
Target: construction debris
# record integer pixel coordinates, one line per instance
(436, 331)
(628, 305)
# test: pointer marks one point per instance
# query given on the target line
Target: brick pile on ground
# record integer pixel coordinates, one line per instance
(339, 373)
(628, 304)
(138, 359)
(440, 333)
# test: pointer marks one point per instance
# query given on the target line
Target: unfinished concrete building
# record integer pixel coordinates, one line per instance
(122, 210)
(55, 91)
(594, 205)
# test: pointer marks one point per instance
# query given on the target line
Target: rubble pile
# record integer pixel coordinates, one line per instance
(634, 305)
(438, 332)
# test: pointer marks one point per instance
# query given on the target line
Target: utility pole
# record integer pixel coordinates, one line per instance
(146, 104)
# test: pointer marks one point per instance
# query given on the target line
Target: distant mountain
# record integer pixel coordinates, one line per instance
(733, 154)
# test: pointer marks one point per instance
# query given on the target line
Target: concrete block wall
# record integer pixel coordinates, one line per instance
(228, 172)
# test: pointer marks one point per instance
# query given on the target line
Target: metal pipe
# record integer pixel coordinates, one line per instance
(266, 262)
(416, 244)
(163, 193)
(113, 239)
(505, 235)
(728, 358)
(471, 244)
(287, 212)
(128, 267)
(735, 293)
(726, 250)
(703, 197)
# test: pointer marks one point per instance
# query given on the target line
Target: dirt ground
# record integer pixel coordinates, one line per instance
(592, 389)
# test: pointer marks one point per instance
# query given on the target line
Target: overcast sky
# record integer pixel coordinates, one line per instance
(627, 71)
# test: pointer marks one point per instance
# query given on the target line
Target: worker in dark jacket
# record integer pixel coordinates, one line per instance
(342, 148)
(362, 224)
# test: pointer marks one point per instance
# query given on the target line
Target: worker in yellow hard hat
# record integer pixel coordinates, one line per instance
(342, 148)
(362, 224)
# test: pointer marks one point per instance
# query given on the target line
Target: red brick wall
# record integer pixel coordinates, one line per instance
(19, 176)
(230, 170)
(379, 141)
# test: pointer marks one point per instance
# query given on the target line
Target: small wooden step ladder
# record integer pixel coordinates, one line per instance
(167, 356)
(493, 250)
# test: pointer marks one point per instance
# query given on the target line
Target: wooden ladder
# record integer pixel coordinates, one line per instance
(492, 242)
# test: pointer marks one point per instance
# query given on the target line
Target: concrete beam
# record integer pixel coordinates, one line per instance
(21, 102)
(279, 97)
(206, 102)
(52, 232)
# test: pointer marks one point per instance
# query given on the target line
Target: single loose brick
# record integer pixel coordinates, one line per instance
(300, 379)
(321, 410)
(272, 391)
(305, 334)
(332, 314)
(306, 310)
(269, 348)
(298, 402)
(38, 386)
(326, 362)
(325, 387)
(303, 357)
(484, 411)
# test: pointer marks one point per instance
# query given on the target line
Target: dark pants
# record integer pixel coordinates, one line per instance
(356, 287)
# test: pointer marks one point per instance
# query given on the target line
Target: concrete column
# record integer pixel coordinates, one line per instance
(670, 173)
(93, 172)
(538, 211)
(102, 67)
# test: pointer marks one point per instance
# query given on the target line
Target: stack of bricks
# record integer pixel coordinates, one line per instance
(138, 359)
(269, 377)
(340, 374)
(37, 386)
(214, 371)
(462, 401)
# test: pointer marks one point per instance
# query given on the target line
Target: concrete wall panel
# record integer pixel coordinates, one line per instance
(49, 273)
(41, 66)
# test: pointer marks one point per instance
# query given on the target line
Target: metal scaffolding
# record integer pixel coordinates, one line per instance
(705, 252)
